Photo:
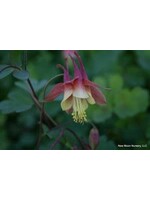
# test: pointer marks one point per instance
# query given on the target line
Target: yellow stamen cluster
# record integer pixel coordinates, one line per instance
(79, 114)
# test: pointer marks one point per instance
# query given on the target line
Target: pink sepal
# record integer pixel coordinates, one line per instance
(55, 92)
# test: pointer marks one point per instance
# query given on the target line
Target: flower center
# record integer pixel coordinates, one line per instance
(79, 107)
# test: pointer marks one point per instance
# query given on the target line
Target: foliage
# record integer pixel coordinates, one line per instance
(123, 77)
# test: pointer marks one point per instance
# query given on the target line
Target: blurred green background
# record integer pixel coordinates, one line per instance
(125, 120)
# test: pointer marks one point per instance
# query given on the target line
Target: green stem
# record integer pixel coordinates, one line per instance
(57, 139)
(43, 103)
(32, 89)
(77, 137)
(24, 59)
(92, 124)
(49, 81)
(15, 67)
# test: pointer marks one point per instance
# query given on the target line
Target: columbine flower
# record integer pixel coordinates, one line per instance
(78, 92)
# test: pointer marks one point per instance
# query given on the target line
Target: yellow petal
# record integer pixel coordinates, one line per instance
(68, 92)
(91, 100)
(66, 104)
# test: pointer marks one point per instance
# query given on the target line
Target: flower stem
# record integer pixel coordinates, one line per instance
(32, 89)
(57, 139)
(24, 59)
(77, 137)
(10, 66)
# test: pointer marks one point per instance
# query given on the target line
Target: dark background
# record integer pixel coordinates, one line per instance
(124, 120)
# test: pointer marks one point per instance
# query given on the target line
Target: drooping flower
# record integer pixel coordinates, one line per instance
(78, 92)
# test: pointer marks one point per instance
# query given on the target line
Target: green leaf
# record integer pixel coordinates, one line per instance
(3, 66)
(104, 61)
(123, 104)
(134, 77)
(42, 66)
(22, 75)
(4, 141)
(6, 71)
(106, 144)
(14, 57)
(129, 103)
(143, 59)
(2, 119)
(53, 108)
(27, 140)
(140, 98)
(101, 81)
(21, 85)
(99, 113)
(148, 133)
(115, 82)
(37, 85)
(6, 106)
(18, 101)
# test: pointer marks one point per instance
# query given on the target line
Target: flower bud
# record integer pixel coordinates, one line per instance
(94, 138)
